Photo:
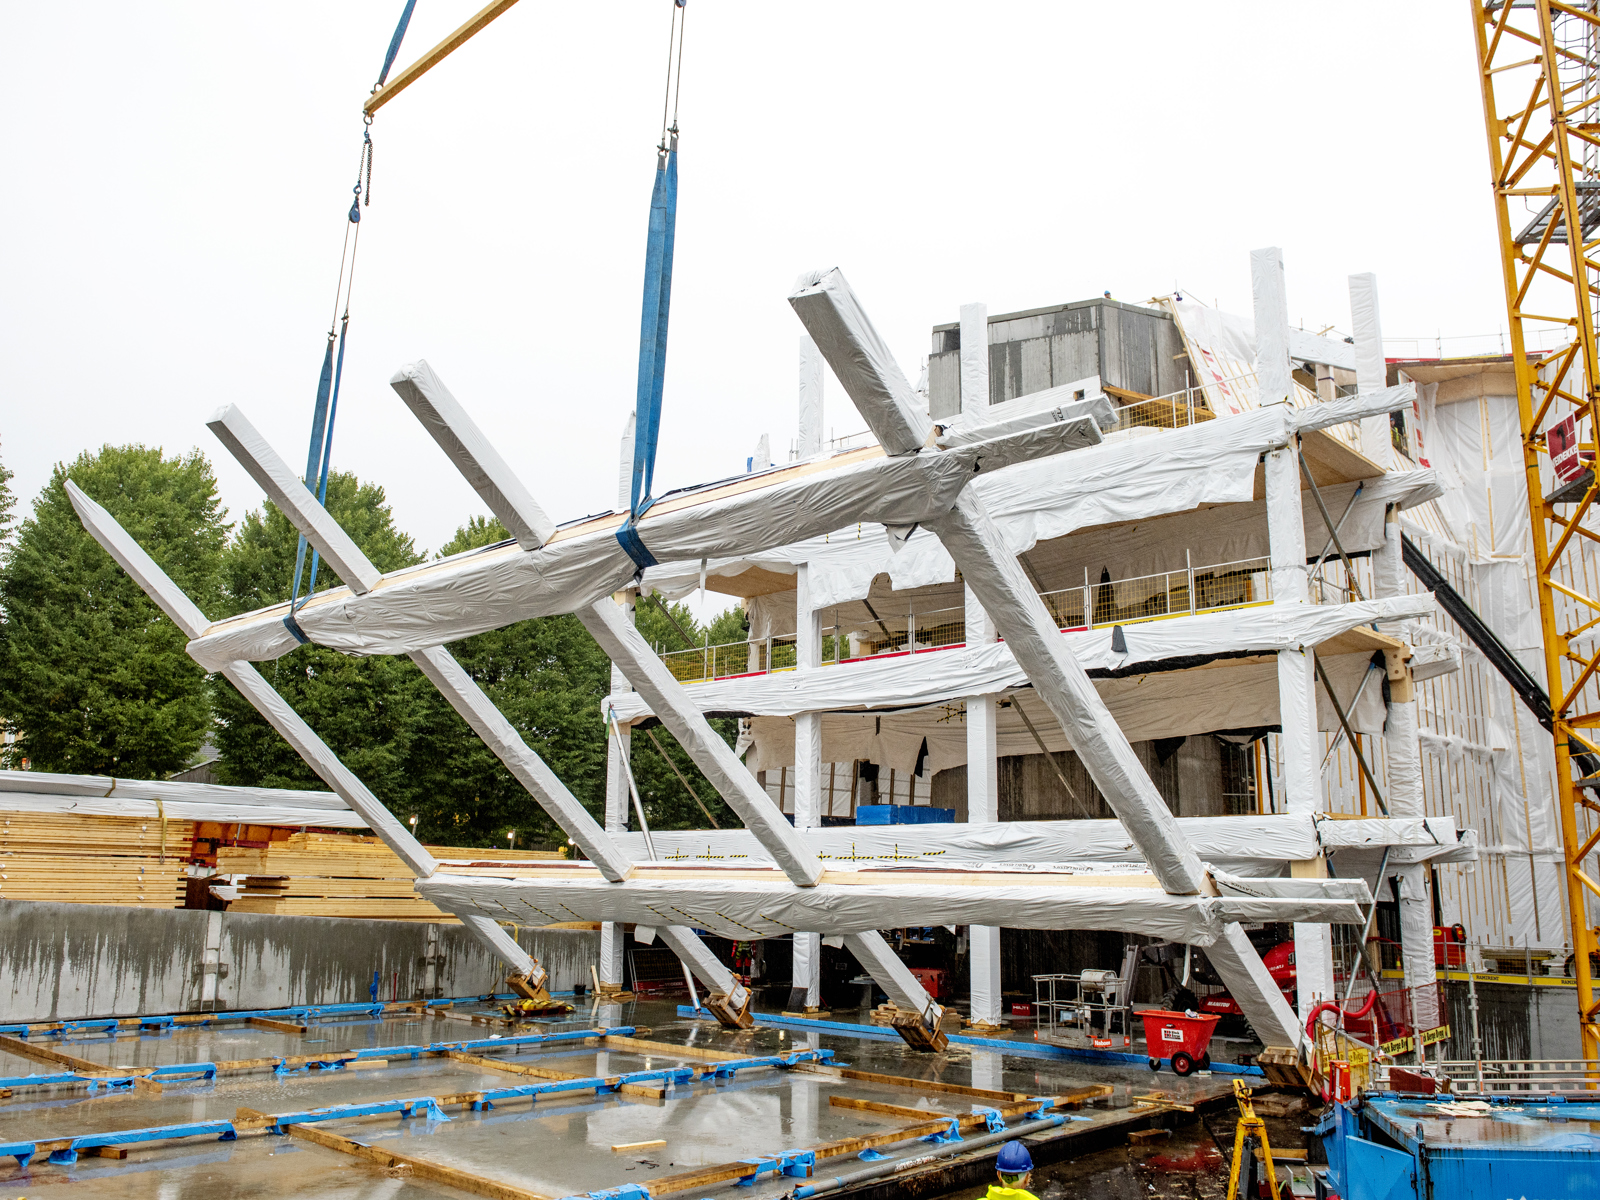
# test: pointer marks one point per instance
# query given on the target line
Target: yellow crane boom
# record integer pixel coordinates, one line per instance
(1544, 156)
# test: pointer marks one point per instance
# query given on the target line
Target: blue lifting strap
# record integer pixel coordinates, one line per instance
(652, 347)
(394, 42)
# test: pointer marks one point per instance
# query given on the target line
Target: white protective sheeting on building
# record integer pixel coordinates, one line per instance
(921, 679)
(486, 589)
(1135, 475)
(1232, 695)
(1245, 846)
(747, 908)
(102, 796)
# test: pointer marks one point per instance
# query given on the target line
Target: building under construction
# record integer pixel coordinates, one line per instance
(1148, 688)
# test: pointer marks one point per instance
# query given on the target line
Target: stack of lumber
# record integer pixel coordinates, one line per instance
(72, 859)
(339, 875)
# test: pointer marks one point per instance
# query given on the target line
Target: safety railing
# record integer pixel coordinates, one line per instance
(1521, 1075)
(1192, 590)
(1167, 594)
(1178, 410)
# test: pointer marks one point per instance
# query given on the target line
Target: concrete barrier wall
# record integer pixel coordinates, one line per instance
(62, 961)
(1515, 1021)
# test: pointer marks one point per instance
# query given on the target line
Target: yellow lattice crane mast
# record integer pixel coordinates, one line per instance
(1544, 155)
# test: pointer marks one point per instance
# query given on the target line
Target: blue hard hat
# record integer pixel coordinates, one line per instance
(1014, 1159)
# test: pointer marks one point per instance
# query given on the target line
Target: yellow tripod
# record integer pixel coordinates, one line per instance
(1249, 1147)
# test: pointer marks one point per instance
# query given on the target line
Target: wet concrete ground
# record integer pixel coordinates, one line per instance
(558, 1145)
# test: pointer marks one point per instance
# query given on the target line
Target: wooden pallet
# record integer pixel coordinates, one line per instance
(341, 875)
(65, 858)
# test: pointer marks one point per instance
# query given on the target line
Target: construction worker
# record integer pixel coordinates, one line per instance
(1015, 1168)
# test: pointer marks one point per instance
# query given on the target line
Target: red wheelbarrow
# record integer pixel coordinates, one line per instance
(1184, 1039)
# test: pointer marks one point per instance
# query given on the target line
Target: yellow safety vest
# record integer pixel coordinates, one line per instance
(996, 1192)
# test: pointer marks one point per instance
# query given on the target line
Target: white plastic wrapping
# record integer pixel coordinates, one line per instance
(861, 359)
(889, 971)
(745, 908)
(1371, 369)
(1126, 479)
(812, 373)
(1286, 528)
(1404, 762)
(833, 316)
(974, 356)
(1244, 846)
(1313, 960)
(487, 930)
(1416, 943)
(932, 678)
(1274, 383)
(625, 464)
(130, 556)
(707, 968)
(472, 453)
(1252, 986)
(983, 964)
(1297, 716)
(102, 796)
(1230, 695)
(468, 593)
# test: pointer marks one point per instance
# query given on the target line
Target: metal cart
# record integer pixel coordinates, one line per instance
(1090, 1009)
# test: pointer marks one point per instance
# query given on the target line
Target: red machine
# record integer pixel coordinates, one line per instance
(934, 980)
(1450, 946)
(1279, 962)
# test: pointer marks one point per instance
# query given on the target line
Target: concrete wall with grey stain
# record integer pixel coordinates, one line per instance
(60, 961)
(1515, 1021)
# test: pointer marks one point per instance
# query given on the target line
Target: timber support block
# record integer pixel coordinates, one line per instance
(912, 1027)
(729, 1017)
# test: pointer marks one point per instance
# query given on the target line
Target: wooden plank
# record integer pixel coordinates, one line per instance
(647, 1091)
(278, 1026)
(627, 1147)
(617, 1042)
(478, 1185)
(889, 1110)
(40, 1054)
(921, 1085)
(433, 57)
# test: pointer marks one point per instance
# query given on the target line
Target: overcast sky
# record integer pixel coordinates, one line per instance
(177, 177)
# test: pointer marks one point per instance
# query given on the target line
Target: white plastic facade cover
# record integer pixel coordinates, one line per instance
(921, 679)
(1243, 845)
(441, 602)
(745, 908)
(102, 796)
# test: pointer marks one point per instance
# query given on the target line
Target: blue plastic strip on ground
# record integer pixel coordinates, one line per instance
(209, 1070)
(1020, 1049)
(427, 1106)
(277, 1014)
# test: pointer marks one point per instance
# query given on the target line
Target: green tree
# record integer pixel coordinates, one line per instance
(93, 676)
(7, 502)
